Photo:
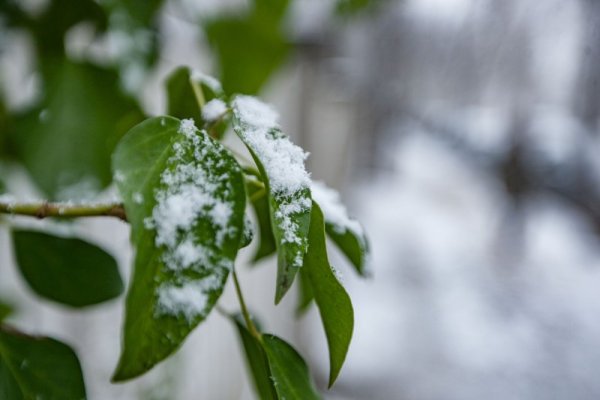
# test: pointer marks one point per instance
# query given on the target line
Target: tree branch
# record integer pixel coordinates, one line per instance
(45, 209)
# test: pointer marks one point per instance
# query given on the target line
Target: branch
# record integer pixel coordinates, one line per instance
(45, 209)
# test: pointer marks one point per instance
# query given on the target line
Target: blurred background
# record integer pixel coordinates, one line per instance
(462, 133)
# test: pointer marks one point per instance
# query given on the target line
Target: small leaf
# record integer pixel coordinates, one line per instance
(289, 371)
(257, 362)
(281, 164)
(188, 92)
(66, 270)
(332, 300)
(181, 98)
(346, 232)
(184, 196)
(38, 368)
(260, 204)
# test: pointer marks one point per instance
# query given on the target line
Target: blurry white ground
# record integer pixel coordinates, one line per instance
(451, 312)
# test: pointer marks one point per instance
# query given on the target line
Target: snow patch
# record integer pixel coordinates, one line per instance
(213, 110)
(334, 211)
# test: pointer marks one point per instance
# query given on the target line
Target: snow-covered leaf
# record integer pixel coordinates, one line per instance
(347, 233)
(282, 165)
(332, 300)
(184, 196)
(289, 371)
(33, 367)
(66, 270)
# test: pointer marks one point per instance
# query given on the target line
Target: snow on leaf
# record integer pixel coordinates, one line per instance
(282, 164)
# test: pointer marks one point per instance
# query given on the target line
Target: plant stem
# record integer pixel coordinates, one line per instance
(44, 209)
(249, 324)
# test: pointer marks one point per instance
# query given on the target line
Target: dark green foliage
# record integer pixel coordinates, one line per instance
(66, 270)
(250, 47)
(34, 367)
(67, 140)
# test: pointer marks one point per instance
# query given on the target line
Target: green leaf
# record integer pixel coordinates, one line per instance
(281, 164)
(181, 98)
(66, 270)
(67, 140)
(354, 245)
(305, 293)
(332, 300)
(260, 204)
(185, 199)
(38, 368)
(188, 92)
(246, 65)
(257, 362)
(289, 371)
(347, 233)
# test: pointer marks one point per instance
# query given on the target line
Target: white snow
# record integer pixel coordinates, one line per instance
(189, 300)
(283, 160)
(334, 211)
(213, 110)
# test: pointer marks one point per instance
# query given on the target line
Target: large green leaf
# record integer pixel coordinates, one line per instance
(282, 165)
(332, 300)
(260, 204)
(289, 371)
(347, 233)
(185, 199)
(257, 362)
(66, 270)
(247, 64)
(67, 140)
(38, 368)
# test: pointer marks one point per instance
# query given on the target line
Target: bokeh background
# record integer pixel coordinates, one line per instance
(462, 133)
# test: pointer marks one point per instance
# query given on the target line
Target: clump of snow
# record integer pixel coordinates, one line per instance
(213, 110)
(207, 80)
(190, 196)
(256, 113)
(188, 300)
(283, 162)
(334, 211)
